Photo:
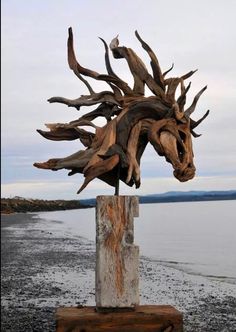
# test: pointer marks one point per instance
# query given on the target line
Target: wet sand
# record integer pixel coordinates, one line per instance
(43, 270)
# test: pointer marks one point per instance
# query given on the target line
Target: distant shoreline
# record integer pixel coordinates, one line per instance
(178, 196)
(23, 205)
(190, 199)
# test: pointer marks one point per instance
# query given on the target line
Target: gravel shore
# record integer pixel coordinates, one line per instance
(43, 270)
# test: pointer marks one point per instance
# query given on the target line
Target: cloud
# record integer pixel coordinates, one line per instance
(34, 68)
(67, 189)
(43, 190)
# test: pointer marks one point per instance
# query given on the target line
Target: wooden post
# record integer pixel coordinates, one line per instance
(117, 261)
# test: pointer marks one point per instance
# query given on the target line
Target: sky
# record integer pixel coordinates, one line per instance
(192, 34)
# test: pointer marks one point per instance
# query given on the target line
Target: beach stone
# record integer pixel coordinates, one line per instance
(117, 258)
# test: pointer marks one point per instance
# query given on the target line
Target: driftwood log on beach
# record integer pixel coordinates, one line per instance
(162, 318)
(133, 120)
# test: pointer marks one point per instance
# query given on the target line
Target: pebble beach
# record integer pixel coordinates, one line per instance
(43, 270)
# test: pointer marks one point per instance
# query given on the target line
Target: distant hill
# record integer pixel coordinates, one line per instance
(188, 196)
(20, 204)
(180, 196)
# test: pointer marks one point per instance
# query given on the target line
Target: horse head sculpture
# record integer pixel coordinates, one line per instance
(133, 120)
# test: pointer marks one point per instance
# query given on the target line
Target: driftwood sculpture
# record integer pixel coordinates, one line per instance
(114, 151)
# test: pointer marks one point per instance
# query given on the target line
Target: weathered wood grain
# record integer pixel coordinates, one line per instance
(117, 261)
(155, 318)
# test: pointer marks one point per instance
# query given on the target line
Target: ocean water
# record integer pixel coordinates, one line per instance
(197, 237)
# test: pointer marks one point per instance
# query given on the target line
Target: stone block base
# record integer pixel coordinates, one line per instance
(145, 318)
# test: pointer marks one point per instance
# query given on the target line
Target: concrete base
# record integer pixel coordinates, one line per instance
(146, 318)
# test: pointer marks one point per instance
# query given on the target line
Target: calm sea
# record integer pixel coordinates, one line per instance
(198, 237)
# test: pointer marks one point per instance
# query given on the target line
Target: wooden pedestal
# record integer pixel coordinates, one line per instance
(146, 318)
(117, 281)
